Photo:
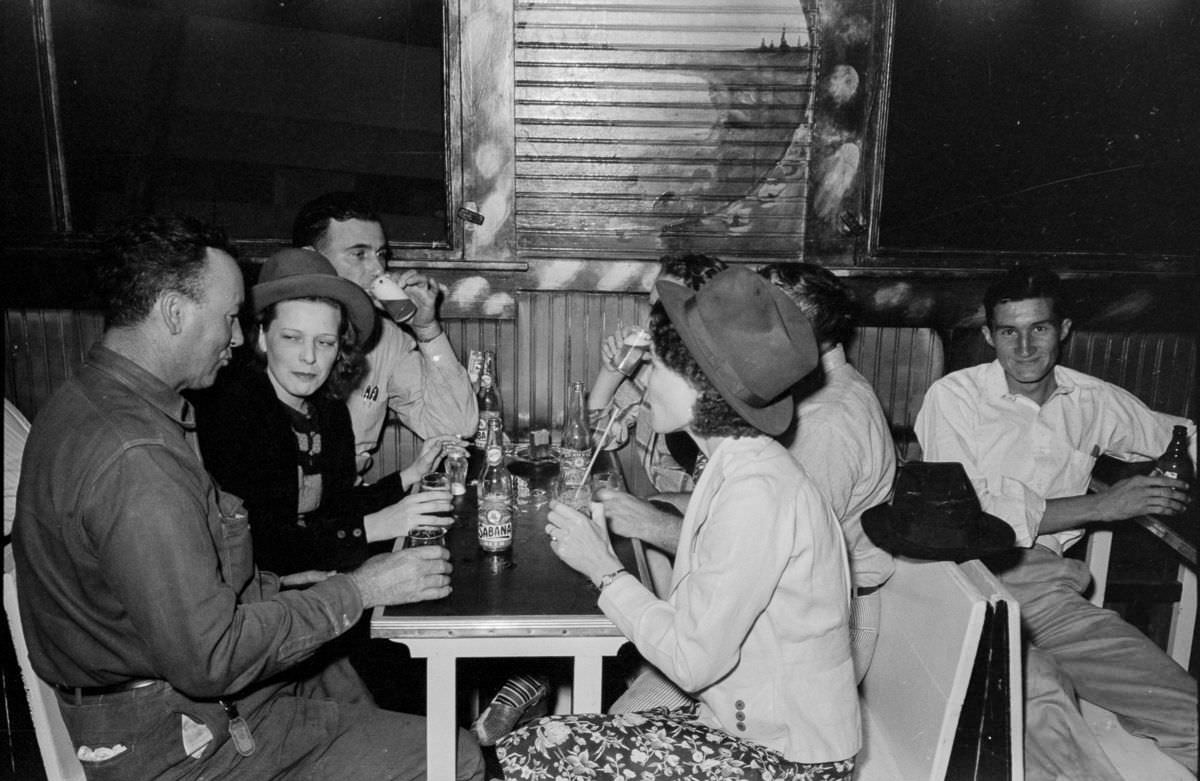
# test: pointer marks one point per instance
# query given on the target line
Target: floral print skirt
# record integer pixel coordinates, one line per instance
(646, 746)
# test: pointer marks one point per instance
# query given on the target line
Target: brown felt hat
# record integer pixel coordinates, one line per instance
(305, 273)
(751, 340)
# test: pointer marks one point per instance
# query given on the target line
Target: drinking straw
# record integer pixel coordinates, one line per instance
(618, 412)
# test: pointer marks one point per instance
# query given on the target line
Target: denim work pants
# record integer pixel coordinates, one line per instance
(320, 728)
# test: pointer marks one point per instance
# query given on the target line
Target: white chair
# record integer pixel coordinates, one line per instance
(930, 626)
(58, 753)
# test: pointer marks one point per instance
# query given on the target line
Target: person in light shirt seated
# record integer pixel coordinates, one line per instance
(1028, 431)
(756, 626)
(842, 439)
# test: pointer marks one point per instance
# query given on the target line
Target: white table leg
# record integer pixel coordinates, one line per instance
(441, 744)
(1183, 618)
(588, 685)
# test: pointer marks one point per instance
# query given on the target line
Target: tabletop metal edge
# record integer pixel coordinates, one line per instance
(386, 626)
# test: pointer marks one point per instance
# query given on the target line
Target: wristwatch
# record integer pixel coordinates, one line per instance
(609, 578)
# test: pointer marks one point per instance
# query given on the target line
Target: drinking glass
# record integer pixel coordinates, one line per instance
(456, 469)
(575, 495)
(435, 481)
(430, 535)
(425, 535)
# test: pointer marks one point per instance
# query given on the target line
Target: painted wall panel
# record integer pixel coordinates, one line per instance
(696, 113)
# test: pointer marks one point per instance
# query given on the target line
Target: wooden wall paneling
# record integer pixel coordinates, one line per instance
(679, 125)
(559, 337)
(900, 363)
(1158, 368)
(44, 347)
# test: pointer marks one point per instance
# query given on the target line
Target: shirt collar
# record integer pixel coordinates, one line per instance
(143, 384)
(996, 385)
(833, 359)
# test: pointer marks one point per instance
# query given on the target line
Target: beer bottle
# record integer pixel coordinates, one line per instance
(488, 399)
(1175, 462)
(495, 496)
(575, 447)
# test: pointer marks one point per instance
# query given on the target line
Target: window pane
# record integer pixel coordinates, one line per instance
(239, 111)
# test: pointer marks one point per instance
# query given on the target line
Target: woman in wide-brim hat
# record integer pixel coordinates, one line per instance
(755, 626)
(275, 431)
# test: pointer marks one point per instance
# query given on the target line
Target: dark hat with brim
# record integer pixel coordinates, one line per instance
(935, 514)
(752, 342)
(304, 273)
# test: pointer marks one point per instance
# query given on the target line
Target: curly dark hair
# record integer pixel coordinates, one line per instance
(822, 297)
(313, 218)
(692, 270)
(349, 367)
(712, 416)
(150, 255)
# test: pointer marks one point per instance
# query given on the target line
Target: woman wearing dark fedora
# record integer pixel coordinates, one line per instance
(274, 429)
(755, 627)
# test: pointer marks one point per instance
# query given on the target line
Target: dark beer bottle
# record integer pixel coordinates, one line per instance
(1175, 462)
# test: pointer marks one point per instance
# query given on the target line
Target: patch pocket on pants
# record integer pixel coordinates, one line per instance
(129, 735)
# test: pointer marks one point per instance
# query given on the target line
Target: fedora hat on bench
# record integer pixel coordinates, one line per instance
(935, 514)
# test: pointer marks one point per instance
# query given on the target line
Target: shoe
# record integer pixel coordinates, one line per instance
(515, 703)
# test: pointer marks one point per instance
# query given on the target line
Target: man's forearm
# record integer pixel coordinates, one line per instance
(1070, 512)
(664, 533)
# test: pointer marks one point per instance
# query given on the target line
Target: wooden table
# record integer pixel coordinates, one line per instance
(527, 604)
(1180, 533)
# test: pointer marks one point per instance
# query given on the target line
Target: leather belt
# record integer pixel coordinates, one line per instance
(862, 591)
(80, 693)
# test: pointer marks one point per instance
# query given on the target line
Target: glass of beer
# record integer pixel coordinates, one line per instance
(430, 535)
(633, 350)
(392, 297)
(425, 535)
(435, 481)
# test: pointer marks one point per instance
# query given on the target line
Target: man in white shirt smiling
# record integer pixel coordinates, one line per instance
(1028, 432)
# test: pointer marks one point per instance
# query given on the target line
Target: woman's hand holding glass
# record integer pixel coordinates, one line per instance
(428, 458)
(581, 542)
(427, 508)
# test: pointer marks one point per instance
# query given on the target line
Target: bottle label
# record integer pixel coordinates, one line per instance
(495, 524)
(573, 464)
(481, 429)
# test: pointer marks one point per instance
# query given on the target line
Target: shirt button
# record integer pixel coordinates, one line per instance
(341, 535)
(357, 532)
(741, 727)
(740, 705)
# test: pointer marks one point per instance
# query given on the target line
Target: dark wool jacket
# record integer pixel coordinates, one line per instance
(249, 447)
